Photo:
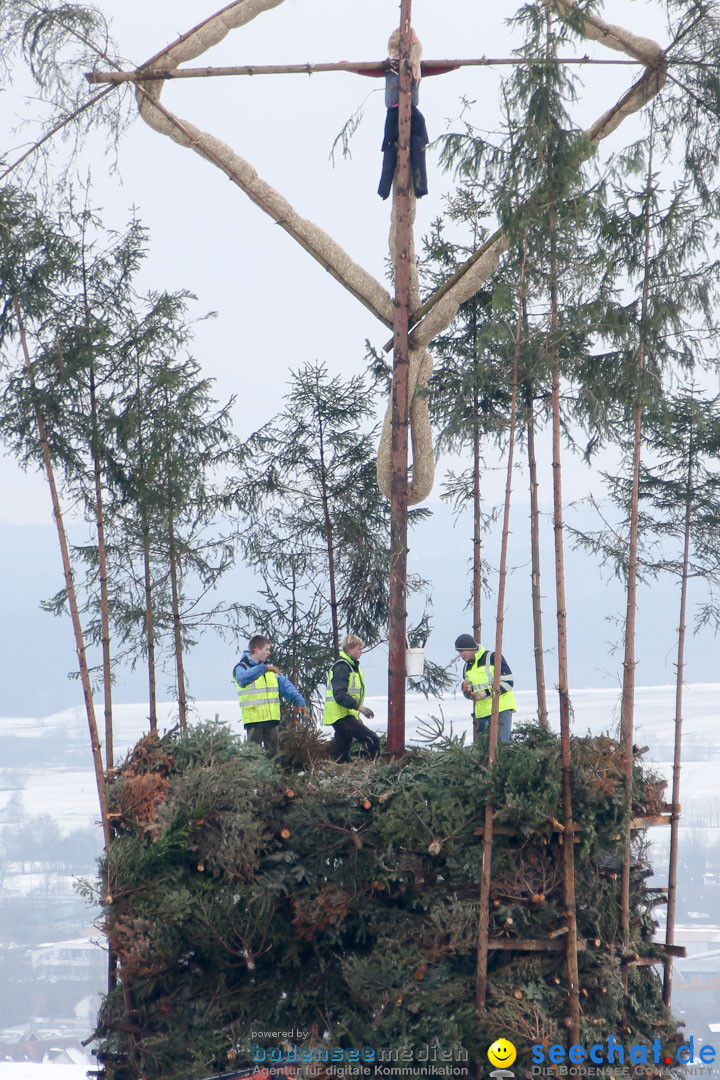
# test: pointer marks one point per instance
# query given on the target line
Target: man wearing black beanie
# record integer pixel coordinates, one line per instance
(478, 676)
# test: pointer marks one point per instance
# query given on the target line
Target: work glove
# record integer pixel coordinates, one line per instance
(479, 695)
(303, 710)
(271, 667)
(364, 711)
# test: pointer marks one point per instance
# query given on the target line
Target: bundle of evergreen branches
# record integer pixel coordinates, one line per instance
(342, 901)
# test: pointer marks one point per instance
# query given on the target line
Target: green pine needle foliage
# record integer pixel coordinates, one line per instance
(343, 901)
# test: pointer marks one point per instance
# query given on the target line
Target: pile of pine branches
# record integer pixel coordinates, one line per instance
(342, 901)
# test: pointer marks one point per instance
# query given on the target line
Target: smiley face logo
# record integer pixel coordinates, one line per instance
(502, 1053)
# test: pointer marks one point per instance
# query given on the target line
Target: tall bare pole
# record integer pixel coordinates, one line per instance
(399, 453)
(327, 522)
(177, 625)
(568, 854)
(538, 649)
(100, 527)
(677, 758)
(627, 706)
(567, 836)
(69, 584)
(477, 514)
(486, 871)
(477, 525)
(102, 567)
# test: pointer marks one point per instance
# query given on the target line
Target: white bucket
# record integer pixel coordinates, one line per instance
(414, 663)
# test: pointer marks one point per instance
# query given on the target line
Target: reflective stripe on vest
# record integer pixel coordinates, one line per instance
(356, 688)
(480, 676)
(260, 700)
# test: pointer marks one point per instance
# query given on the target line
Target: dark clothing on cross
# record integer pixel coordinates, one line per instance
(418, 142)
(418, 129)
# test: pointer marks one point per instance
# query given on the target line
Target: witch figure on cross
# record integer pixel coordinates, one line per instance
(418, 129)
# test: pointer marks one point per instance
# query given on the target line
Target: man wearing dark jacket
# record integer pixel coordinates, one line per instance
(260, 686)
(344, 703)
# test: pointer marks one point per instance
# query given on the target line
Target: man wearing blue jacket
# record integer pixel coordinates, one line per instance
(260, 686)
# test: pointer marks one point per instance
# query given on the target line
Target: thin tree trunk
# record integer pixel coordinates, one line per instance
(102, 560)
(628, 688)
(477, 526)
(177, 627)
(566, 838)
(327, 519)
(100, 527)
(69, 585)
(486, 871)
(538, 649)
(112, 965)
(477, 504)
(293, 633)
(149, 622)
(571, 960)
(627, 706)
(112, 960)
(677, 756)
(147, 576)
(294, 623)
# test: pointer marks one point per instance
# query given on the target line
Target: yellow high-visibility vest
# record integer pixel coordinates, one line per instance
(480, 675)
(356, 689)
(260, 700)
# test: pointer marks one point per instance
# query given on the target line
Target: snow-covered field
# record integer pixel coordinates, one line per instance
(30, 1070)
(70, 797)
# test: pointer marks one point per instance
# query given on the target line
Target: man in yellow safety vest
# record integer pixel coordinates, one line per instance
(478, 676)
(344, 703)
(260, 685)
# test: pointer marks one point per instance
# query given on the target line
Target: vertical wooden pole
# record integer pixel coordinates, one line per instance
(627, 705)
(566, 838)
(477, 526)
(100, 527)
(627, 725)
(677, 758)
(102, 569)
(399, 451)
(477, 514)
(568, 853)
(538, 649)
(177, 626)
(486, 871)
(69, 583)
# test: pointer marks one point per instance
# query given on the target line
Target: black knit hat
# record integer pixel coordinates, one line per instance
(466, 641)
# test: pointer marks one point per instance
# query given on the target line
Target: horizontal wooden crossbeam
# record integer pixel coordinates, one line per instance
(531, 945)
(647, 822)
(558, 945)
(668, 950)
(344, 65)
